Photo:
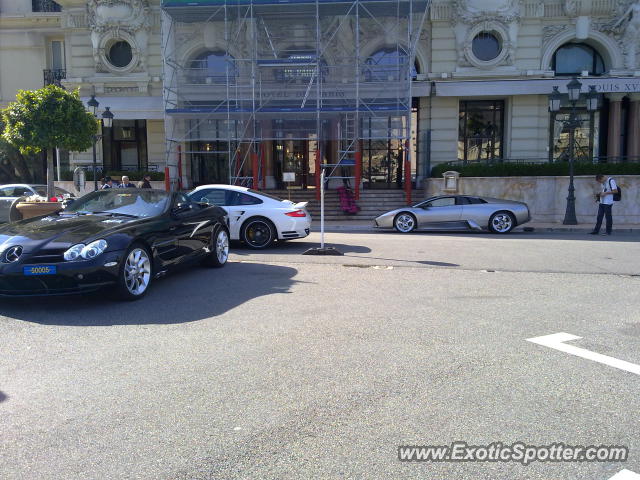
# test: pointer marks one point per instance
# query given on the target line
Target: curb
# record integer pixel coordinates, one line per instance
(527, 229)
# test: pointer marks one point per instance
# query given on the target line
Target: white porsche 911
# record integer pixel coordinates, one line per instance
(256, 218)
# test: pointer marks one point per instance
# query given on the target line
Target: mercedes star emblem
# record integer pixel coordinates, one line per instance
(13, 254)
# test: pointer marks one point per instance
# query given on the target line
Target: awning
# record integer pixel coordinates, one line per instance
(131, 108)
(542, 86)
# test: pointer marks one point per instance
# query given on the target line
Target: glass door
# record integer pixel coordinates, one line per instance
(585, 141)
(383, 152)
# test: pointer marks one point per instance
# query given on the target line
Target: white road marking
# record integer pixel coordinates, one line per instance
(556, 341)
(625, 475)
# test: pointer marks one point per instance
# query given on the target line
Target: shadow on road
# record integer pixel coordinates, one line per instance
(518, 235)
(422, 262)
(3, 397)
(187, 295)
(296, 248)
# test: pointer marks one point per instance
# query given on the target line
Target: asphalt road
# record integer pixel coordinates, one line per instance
(284, 366)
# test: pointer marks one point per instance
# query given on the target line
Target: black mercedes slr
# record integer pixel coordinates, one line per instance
(122, 238)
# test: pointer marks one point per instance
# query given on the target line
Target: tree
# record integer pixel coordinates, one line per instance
(47, 118)
(13, 166)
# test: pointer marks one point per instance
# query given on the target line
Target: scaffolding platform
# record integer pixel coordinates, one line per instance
(254, 87)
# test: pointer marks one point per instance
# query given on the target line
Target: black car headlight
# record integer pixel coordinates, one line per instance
(74, 252)
(87, 252)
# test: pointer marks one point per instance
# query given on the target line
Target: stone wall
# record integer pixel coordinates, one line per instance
(546, 196)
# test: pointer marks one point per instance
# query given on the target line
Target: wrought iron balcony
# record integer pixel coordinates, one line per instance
(53, 77)
(46, 6)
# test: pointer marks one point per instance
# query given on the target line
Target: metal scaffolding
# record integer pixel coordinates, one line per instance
(254, 87)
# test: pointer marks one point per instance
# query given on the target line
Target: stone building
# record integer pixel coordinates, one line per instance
(249, 91)
(110, 49)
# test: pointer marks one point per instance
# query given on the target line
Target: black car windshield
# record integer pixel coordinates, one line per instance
(138, 203)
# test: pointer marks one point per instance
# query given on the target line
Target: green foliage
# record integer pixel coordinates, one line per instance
(538, 169)
(13, 166)
(47, 118)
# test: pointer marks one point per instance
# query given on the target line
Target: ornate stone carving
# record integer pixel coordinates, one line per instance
(500, 17)
(550, 31)
(627, 28)
(119, 20)
(472, 11)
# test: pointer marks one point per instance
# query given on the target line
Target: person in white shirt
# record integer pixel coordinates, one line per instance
(605, 200)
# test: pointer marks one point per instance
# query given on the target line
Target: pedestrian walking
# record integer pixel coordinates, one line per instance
(125, 183)
(146, 181)
(610, 193)
(108, 183)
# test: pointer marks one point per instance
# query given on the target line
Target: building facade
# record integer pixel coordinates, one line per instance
(110, 49)
(376, 92)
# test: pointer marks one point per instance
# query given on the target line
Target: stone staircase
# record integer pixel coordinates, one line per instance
(372, 203)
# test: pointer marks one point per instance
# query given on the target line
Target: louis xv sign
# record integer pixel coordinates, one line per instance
(534, 86)
(629, 86)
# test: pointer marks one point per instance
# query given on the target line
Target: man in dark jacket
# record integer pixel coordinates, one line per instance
(108, 183)
(126, 183)
(146, 182)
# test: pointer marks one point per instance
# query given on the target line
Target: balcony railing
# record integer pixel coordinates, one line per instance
(53, 77)
(46, 6)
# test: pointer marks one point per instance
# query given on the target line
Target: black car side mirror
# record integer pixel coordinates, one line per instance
(181, 208)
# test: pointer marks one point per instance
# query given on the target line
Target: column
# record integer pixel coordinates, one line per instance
(633, 139)
(615, 120)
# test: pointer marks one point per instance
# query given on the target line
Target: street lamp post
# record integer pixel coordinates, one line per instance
(574, 88)
(107, 118)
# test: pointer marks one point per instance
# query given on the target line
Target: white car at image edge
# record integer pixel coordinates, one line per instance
(256, 218)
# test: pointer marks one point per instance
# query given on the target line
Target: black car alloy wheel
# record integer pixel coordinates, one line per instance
(219, 248)
(135, 273)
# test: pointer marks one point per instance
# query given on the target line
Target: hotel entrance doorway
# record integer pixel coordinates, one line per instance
(294, 152)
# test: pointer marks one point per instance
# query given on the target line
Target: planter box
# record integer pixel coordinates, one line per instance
(37, 209)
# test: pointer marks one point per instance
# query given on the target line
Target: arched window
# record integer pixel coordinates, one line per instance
(575, 58)
(389, 64)
(212, 67)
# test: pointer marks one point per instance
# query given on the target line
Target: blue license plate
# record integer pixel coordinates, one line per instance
(40, 270)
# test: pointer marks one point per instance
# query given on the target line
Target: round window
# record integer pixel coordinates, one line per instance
(120, 54)
(486, 46)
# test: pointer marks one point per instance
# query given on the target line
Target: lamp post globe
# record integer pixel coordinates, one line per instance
(573, 89)
(107, 117)
(555, 98)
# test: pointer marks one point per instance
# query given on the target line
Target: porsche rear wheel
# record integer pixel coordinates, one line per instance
(135, 273)
(258, 233)
(404, 222)
(502, 222)
(219, 249)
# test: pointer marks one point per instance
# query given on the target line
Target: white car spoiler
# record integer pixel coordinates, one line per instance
(301, 205)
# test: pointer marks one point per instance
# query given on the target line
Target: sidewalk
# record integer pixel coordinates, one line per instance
(367, 226)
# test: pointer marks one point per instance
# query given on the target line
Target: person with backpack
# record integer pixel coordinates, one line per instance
(610, 193)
